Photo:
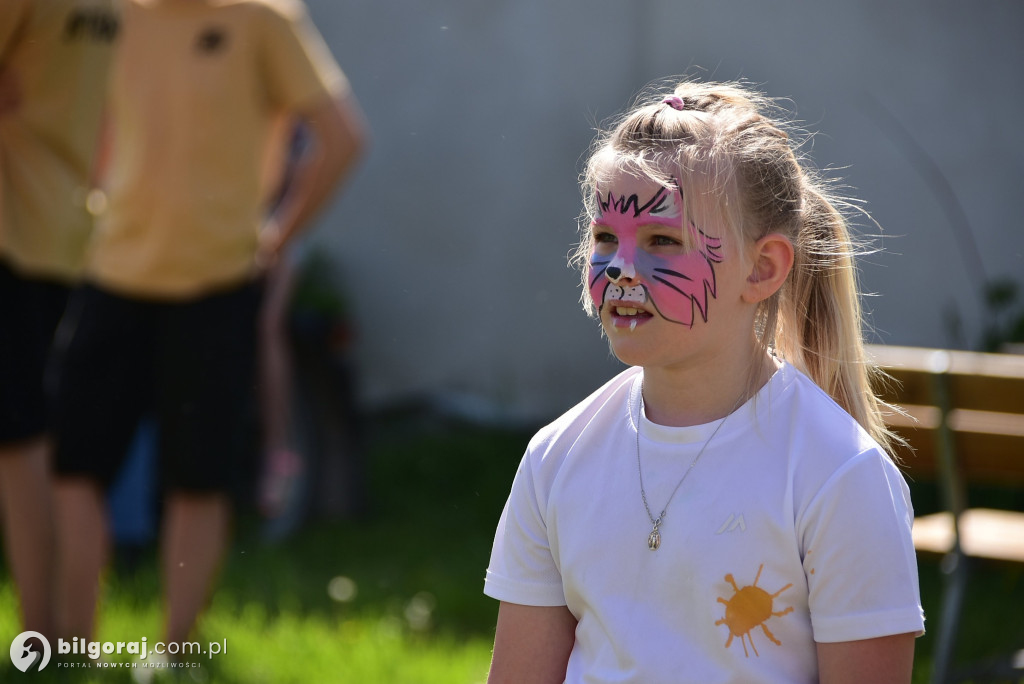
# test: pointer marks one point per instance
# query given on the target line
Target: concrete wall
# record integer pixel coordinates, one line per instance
(453, 237)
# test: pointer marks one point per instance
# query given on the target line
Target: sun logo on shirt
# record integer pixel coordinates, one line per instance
(749, 608)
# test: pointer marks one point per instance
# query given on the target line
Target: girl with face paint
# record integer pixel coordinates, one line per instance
(725, 509)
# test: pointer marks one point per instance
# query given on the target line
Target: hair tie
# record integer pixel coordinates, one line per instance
(675, 102)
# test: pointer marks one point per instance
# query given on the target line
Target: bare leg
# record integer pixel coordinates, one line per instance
(195, 536)
(83, 548)
(27, 511)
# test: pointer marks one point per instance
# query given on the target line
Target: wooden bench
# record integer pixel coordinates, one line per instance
(965, 426)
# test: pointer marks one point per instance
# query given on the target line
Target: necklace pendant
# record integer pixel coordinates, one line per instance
(654, 539)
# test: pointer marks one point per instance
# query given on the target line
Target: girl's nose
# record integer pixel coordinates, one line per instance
(619, 269)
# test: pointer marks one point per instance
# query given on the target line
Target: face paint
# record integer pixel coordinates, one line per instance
(674, 284)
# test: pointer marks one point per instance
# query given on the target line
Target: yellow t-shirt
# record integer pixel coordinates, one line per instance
(57, 52)
(196, 90)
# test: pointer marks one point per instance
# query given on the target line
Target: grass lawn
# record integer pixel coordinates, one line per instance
(395, 598)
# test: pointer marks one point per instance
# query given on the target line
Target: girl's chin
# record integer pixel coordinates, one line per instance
(627, 348)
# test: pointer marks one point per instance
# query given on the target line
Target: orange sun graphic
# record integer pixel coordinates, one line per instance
(749, 608)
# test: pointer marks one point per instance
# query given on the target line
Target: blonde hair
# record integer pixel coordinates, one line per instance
(734, 157)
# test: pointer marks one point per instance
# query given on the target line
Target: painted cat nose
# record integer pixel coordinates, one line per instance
(618, 272)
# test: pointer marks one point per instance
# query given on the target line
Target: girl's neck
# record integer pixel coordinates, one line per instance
(701, 393)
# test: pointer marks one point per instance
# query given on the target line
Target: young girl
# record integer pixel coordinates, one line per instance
(724, 510)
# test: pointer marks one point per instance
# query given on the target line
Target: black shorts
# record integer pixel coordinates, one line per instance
(29, 312)
(192, 365)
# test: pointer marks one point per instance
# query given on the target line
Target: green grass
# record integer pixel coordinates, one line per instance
(415, 562)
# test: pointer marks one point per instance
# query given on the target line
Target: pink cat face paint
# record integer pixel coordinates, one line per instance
(638, 256)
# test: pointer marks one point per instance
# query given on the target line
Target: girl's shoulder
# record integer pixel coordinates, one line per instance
(819, 438)
(608, 402)
(820, 412)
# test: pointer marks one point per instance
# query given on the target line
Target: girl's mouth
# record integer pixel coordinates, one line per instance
(628, 317)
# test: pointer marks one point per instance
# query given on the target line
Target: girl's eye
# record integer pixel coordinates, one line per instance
(664, 241)
(605, 238)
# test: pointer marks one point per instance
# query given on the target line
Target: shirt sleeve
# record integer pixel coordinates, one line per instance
(859, 556)
(298, 66)
(522, 569)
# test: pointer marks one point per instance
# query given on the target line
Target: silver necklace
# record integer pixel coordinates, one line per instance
(654, 538)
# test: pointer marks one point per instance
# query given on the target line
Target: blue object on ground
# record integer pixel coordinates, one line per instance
(132, 497)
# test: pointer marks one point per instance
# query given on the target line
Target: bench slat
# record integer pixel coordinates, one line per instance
(984, 532)
(986, 393)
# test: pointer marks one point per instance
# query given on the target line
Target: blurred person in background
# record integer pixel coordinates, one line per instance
(54, 56)
(312, 462)
(202, 97)
(283, 466)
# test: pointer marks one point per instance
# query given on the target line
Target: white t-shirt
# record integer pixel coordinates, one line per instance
(793, 527)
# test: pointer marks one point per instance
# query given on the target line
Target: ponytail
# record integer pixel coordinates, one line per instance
(819, 322)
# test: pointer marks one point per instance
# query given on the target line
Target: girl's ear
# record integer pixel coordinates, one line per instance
(772, 261)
